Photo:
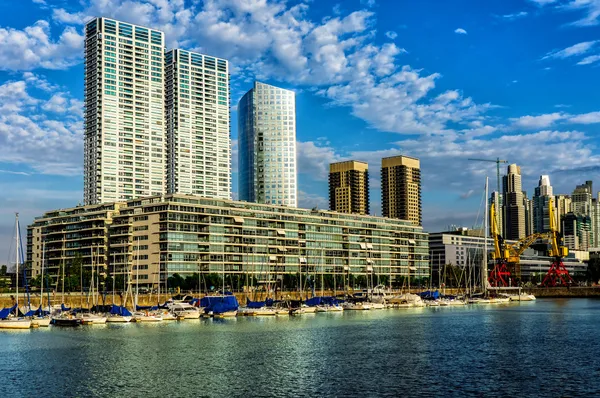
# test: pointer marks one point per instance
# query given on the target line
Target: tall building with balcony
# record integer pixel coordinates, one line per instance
(197, 124)
(349, 187)
(401, 188)
(514, 209)
(124, 134)
(267, 146)
(541, 200)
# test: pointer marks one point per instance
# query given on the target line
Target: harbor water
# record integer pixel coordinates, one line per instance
(545, 348)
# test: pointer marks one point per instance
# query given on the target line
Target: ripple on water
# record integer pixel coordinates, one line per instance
(547, 348)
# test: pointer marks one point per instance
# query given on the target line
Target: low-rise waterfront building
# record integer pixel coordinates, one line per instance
(155, 237)
(464, 248)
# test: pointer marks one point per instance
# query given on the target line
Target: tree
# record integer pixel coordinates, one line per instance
(3, 270)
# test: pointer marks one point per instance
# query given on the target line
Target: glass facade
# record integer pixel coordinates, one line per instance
(267, 146)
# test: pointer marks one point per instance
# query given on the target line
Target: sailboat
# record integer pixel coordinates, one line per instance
(39, 317)
(221, 306)
(9, 317)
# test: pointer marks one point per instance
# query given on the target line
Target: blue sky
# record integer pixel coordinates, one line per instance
(440, 80)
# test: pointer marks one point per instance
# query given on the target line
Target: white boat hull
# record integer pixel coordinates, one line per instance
(41, 322)
(15, 324)
(522, 297)
(118, 319)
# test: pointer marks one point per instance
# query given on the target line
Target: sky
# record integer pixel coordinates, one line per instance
(441, 80)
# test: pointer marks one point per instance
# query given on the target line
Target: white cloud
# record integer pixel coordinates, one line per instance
(314, 159)
(586, 118)
(543, 2)
(29, 136)
(589, 60)
(391, 34)
(591, 9)
(576, 49)
(534, 122)
(460, 31)
(310, 200)
(516, 15)
(33, 47)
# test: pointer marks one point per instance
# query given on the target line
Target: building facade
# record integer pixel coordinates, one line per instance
(464, 249)
(541, 200)
(401, 188)
(124, 133)
(197, 124)
(514, 209)
(267, 146)
(349, 187)
(562, 204)
(155, 237)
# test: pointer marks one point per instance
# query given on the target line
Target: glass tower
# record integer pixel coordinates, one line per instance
(198, 124)
(124, 143)
(267, 146)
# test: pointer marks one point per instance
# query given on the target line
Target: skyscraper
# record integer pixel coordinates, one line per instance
(198, 124)
(401, 188)
(514, 209)
(498, 202)
(582, 204)
(541, 199)
(124, 133)
(349, 187)
(563, 206)
(267, 146)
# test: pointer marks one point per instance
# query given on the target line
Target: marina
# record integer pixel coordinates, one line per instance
(425, 350)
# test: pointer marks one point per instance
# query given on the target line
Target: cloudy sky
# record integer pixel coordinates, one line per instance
(442, 80)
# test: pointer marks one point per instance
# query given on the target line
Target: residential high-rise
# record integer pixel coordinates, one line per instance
(577, 230)
(124, 132)
(401, 188)
(197, 124)
(582, 205)
(541, 200)
(349, 187)
(267, 146)
(514, 210)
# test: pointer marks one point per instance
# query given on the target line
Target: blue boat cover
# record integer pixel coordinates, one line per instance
(321, 300)
(255, 304)
(63, 308)
(38, 312)
(4, 313)
(430, 294)
(118, 310)
(219, 304)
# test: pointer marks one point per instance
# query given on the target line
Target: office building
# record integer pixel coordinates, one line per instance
(349, 187)
(152, 238)
(562, 203)
(463, 248)
(496, 200)
(541, 199)
(124, 132)
(401, 188)
(577, 231)
(197, 124)
(514, 209)
(267, 146)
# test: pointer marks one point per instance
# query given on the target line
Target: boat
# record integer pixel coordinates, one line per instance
(185, 311)
(356, 305)
(92, 319)
(407, 300)
(222, 306)
(521, 297)
(119, 314)
(15, 323)
(66, 319)
(146, 316)
(11, 318)
(167, 315)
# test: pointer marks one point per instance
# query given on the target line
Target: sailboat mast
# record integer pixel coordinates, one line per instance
(42, 284)
(485, 234)
(17, 258)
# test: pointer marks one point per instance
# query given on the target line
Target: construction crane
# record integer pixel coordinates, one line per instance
(557, 274)
(497, 161)
(507, 256)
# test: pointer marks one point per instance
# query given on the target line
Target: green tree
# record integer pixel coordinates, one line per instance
(3, 270)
